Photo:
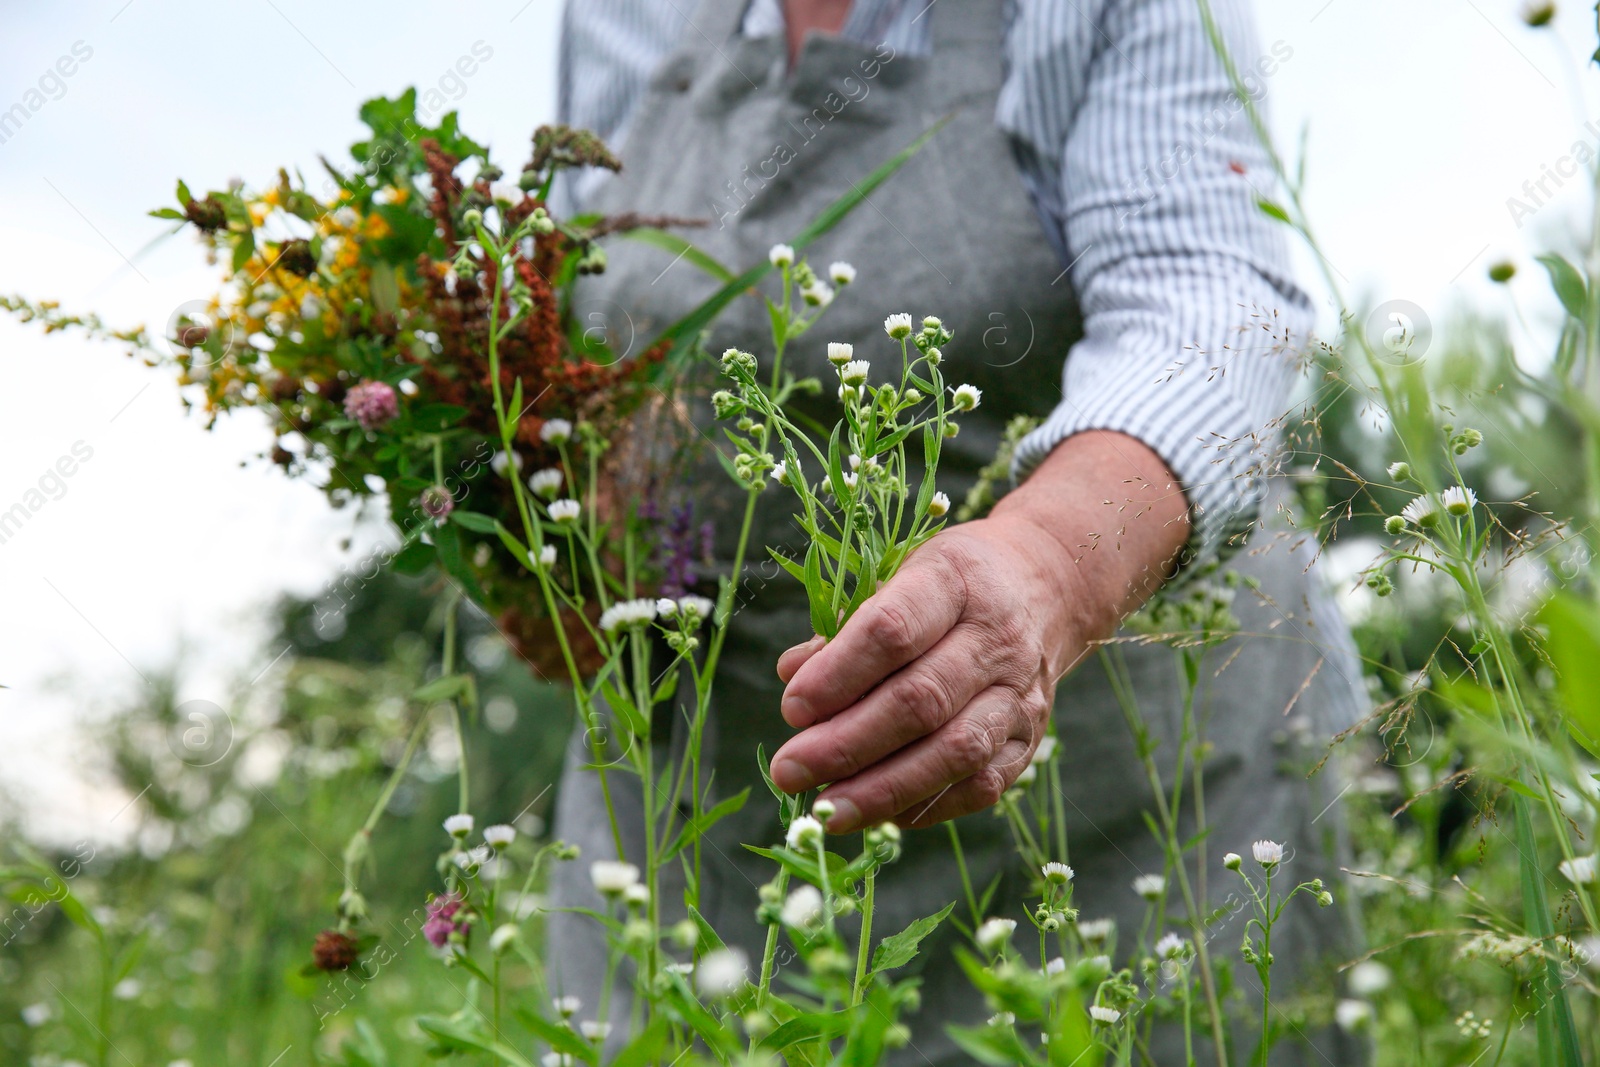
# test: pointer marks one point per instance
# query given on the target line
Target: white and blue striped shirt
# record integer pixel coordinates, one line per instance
(1146, 173)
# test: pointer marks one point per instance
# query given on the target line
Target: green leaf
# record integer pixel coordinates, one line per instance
(560, 1038)
(1574, 648)
(897, 950)
(184, 196)
(167, 213)
(816, 592)
(243, 249)
(808, 1027)
(766, 775)
(446, 688)
(475, 521)
(671, 242)
(710, 941)
(447, 543)
(644, 1049)
(1554, 1017)
(704, 821)
(436, 417)
(1568, 284)
(794, 569)
(455, 1037)
(1269, 208)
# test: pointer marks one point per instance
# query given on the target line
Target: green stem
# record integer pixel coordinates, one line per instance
(865, 947)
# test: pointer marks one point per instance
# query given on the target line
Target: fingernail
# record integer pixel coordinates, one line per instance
(790, 775)
(802, 646)
(796, 711)
(846, 816)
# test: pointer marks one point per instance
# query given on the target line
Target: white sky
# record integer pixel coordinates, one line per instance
(1425, 118)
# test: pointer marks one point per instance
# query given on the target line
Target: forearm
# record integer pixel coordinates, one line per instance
(1115, 519)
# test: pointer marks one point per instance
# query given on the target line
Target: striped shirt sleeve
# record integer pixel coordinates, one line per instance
(1134, 143)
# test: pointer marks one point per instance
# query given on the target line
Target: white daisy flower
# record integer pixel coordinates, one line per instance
(555, 431)
(804, 833)
(1422, 511)
(627, 613)
(854, 372)
(781, 256)
(1267, 853)
(1057, 873)
(1352, 1015)
(824, 809)
(500, 462)
(1056, 966)
(841, 272)
(1150, 886)
(1233, 861)
(545, 483)
(637, 895)
(612, 878)
(547, 556)
(897, 326)
(1170, 947)
(666, 608)
(840, 353)
(721, 973)
(458, 825)
(1368, 977)
(965, 397)
(472, 859)
(1103, 1015)
(819, 295)
(503, 937)
(1047, 745)
(1458, 500)
(780, 473)
(557, 1059)
(1580, 870)
(1400, 470)
(1003, 1018)
(565, 511)
(1096, 931)
(499, 835)
(594, 1031)
(803, 909)
(939, 505)
(995, 934)
(566, 1007)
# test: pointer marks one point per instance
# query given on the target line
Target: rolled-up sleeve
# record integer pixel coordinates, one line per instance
(1134, 142)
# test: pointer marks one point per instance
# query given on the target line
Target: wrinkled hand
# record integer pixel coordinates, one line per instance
(930, 701)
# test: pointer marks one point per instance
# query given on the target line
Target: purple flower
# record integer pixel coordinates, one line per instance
(437, 502)
(371, 404)
(442, 921)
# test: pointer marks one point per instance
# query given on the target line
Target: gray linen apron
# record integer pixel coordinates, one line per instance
(727, 132)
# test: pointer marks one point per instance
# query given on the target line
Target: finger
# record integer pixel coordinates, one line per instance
(982, 790)
(894, 626)
(795, 658)
(914, 702)
(964, 747)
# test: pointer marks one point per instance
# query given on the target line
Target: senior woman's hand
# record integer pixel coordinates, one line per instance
(932, 698)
